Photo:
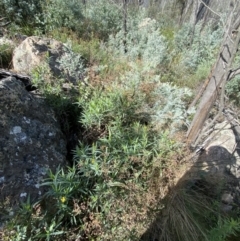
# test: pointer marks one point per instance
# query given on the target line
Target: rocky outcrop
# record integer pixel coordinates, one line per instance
(219, 164)
(220, 154)
(31, 141)
(6, 41)
(220, 157)
(36, 51)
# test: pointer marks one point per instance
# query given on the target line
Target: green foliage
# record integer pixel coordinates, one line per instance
(72, 65)
(58, 13)
(124, 117)
(94, 17)
(51, 87)
(5, 55)
(27, 226)
(22, 12)
(105, 108)
(170, 106)
(43, 79)
(102, 18)
(232, 90)
(99, 17)
(196, 45)
(143, 41)
(224, 229)
(110, 169)
(233, 86)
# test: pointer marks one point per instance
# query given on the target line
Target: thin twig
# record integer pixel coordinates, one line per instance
(210, 9)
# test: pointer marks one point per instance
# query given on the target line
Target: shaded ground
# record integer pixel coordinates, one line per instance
(212, 176)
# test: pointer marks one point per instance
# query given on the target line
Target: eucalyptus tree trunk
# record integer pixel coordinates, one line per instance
(125, 24)
(220, 73)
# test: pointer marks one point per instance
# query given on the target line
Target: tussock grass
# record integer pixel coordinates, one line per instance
(6, 51)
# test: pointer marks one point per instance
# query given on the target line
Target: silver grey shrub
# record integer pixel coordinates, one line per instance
(72, 65)
(103, 17)
(61, 13)
(170, 107)
(199, 46)
(22, 12)
(143, 41)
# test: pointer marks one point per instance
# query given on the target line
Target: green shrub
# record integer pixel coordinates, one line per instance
(223, 229)
(58, 14)
(197, 46)
(170, 106)
(143, 41)
(99, 18)
(233, 86)
(103, 109)
(72, 65)
(6, 51)
(102, 18)
(22, 12)
(232, 90)
(108, 177)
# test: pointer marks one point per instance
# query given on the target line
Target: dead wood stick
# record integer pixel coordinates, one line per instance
(200, 93)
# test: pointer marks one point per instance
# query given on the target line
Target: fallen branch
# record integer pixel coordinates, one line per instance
(210, 9)
(200, 93)
(234, 123)
(220, 74)
(233, 73)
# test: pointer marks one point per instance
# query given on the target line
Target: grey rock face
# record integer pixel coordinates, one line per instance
(6, 41)
(31, 141)
(219, 156)
(34, 51)
(220, 164)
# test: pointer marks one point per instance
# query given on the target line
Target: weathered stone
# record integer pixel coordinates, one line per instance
(227, 198)
(219, 154)
(226, 208)
(34, 51)
(6, 41)
(31, 142)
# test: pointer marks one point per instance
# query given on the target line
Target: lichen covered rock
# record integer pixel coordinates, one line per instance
(31, 141)
(34, 51)
(58, 58)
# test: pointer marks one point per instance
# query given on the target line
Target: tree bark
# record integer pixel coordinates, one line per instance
(125, 24)
(220, 73)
